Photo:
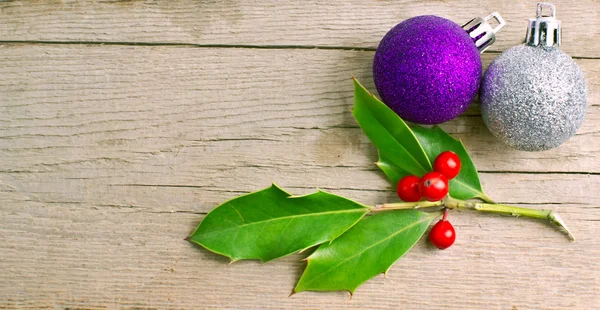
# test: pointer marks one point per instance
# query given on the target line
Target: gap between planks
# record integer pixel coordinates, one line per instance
(246, 46)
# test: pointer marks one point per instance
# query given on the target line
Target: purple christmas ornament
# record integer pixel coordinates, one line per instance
(427, 68)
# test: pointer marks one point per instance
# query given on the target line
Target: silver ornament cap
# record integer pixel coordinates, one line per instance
(544, 29)
(481, 31)
(534, 96)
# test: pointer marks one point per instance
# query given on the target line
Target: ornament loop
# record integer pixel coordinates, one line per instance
(498, 18)
(482, 33)
(540, 8)
(544, 30)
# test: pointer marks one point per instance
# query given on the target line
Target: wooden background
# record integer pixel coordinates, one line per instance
(122, 123)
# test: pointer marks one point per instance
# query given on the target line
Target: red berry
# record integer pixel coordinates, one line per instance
(434, 186)
(408, 188)
(442, 235)
(448, 164)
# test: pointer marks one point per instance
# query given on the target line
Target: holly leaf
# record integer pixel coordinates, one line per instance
(390, 134)
(393, 172)
(378, 119)
(271, 223)
(364, 251)
(466, 184)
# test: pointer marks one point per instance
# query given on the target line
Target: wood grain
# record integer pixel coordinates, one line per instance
(82, 256)
(348, 24)
(115, 127)
(111, 154)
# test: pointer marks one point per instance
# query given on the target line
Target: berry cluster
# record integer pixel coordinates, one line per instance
(433, 186)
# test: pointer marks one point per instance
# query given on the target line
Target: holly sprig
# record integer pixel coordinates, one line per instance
(355, 242)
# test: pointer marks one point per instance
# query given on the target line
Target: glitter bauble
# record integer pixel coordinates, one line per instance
(428, 69)
(534, 96)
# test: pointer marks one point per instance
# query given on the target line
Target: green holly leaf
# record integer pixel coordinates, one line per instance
(393, 172)
(381, 124)
(364, 251)
(466, 184)
(271, 223)
(392, 137)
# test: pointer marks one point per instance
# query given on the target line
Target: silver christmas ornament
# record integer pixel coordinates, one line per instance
(534, 96)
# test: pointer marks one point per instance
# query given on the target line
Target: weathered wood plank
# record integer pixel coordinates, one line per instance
(203, 188)
(356, 23)
(160, 130)
(71, 256)
(72, 107)
(155, 131)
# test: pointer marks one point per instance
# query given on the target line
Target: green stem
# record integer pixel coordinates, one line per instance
(453, 203)
(548, 215)
(407, 205)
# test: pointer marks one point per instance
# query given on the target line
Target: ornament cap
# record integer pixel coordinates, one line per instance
(482, 33)
(544, 29)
